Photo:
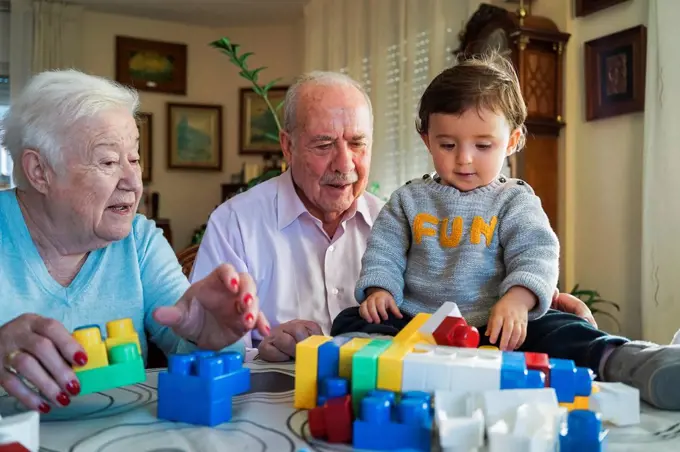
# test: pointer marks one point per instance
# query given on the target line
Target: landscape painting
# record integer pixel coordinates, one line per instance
(258, 131)
(194, 136)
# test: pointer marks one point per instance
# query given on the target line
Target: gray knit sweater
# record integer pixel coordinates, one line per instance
(432, 243)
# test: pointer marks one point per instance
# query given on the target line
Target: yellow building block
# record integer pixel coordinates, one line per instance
(306, 371)
(121, 331)
(410, 334)
(568, 406)
(488, 347)
(391, 366)
(348, 350)
(581, 403)
(91, 340)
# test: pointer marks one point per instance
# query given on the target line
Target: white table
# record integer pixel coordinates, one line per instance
(124, 419)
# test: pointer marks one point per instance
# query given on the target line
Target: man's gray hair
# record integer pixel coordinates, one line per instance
(41, 117)
(319, 78)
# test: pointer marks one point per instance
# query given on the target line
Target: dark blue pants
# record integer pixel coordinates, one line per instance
(558, 334)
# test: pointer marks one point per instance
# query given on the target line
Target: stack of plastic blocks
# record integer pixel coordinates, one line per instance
(112, 363)
(20, 433)
(198, 387)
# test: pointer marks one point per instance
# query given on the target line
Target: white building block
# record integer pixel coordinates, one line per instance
(532, 427)
(459, 420)
(617, 403)
(431, 368)
(502, 404)
(447, 309)
(22, 428)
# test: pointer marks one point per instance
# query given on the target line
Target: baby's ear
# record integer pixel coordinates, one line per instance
(516, 141)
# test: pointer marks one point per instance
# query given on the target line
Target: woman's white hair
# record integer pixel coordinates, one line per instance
(322, 78)
(41, 117)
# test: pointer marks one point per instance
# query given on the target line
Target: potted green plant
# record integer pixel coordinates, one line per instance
(594, 302)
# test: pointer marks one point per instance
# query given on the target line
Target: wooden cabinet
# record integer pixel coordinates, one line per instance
(535, 45)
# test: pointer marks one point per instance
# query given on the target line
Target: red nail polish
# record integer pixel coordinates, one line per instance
(63, 399)
(234, 283)
(247, 300)
(73, 387)
(80, 358)
(267, 330)
(249, 317)
(44, 408)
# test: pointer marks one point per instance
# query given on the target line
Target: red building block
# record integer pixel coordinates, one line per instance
(455, 332)
(332, 421)
(13, 447)
(539, 361)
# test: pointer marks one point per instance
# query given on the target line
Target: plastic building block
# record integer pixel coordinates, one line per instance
(332, 421)
(121, 332)
(198, 387)
(617, 403)
(455, 331)
(539, 361)
(459, 419)
(405, 424)
(516, 375)
(411, 334)
(90, 338)
(126, 367)
(365, 369)
(306, 362)
(570, 381)
(20, 432)
(391, 366)
(583, 433)
(347, 351)
(447, 309)
(332, 388)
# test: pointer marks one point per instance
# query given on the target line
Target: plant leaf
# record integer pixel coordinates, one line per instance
(278, 107)
(222, 43)
(256, 71)
(616, 306)
(271, 136)
(242, 59)
(257, 89)
(270, 84)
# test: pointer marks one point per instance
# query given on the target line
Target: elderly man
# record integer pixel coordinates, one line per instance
(301, 235)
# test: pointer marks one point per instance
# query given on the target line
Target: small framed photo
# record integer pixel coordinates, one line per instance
(145, 127)
(151, 65)
(615, 67)
(194, 136)
(257, 129)
(587, 7)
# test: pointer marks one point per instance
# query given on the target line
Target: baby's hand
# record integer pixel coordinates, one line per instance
(510, 315)
(377, 304)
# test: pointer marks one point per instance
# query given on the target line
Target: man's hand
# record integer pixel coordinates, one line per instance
(216, 311)
(376, 305)
(568, 303)
(510, 315)
(280, 344)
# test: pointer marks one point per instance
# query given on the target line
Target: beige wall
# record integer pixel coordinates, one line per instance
(600, 174)
(188, 197)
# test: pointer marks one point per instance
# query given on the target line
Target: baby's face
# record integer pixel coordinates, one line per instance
(468, 150)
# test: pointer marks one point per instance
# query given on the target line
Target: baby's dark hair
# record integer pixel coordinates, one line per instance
(487, 81)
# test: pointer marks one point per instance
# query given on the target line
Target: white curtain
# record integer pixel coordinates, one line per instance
(57, 35)
(394, 48)
(661, 166)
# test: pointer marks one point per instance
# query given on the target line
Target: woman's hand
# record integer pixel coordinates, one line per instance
(568, 303)
(216, 311)
(41, 352)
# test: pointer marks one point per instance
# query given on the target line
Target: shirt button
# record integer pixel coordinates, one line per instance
(331, 248)
(335, 291)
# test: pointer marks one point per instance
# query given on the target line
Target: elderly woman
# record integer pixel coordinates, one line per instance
(73, 252)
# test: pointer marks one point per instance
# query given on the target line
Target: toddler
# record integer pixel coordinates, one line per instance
(467, 234)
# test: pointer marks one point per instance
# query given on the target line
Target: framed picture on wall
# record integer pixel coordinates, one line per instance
(151, 65)
(194, 136)
(615, 67)
(144, 125)
(586, 7)
(258, 133)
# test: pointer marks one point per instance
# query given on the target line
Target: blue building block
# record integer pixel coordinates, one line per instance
(563, 379)
(328, 361)
(583, 433)
(198, 387)
(332, 388)
(515, 375)
(583, 381)
(403, 424)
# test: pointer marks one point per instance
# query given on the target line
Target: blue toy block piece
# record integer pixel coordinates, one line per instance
(402, 425)
(513, 371)
(426, 396)
(513, 357)
(335, 387)
(535, 379)
(583, 433)
(198, 387)
(583, 381)
(328, 361)
(562, 379)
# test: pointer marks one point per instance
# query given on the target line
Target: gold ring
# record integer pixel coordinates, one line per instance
(9, 358)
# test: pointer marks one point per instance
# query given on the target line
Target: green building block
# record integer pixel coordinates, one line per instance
(126, 367)
(365, 370)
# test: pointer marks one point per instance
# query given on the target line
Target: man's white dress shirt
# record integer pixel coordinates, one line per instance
(300, 272)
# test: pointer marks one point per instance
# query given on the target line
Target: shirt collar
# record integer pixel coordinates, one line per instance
(290, 206)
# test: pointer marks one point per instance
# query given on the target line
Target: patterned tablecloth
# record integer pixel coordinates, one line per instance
(125, 420)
